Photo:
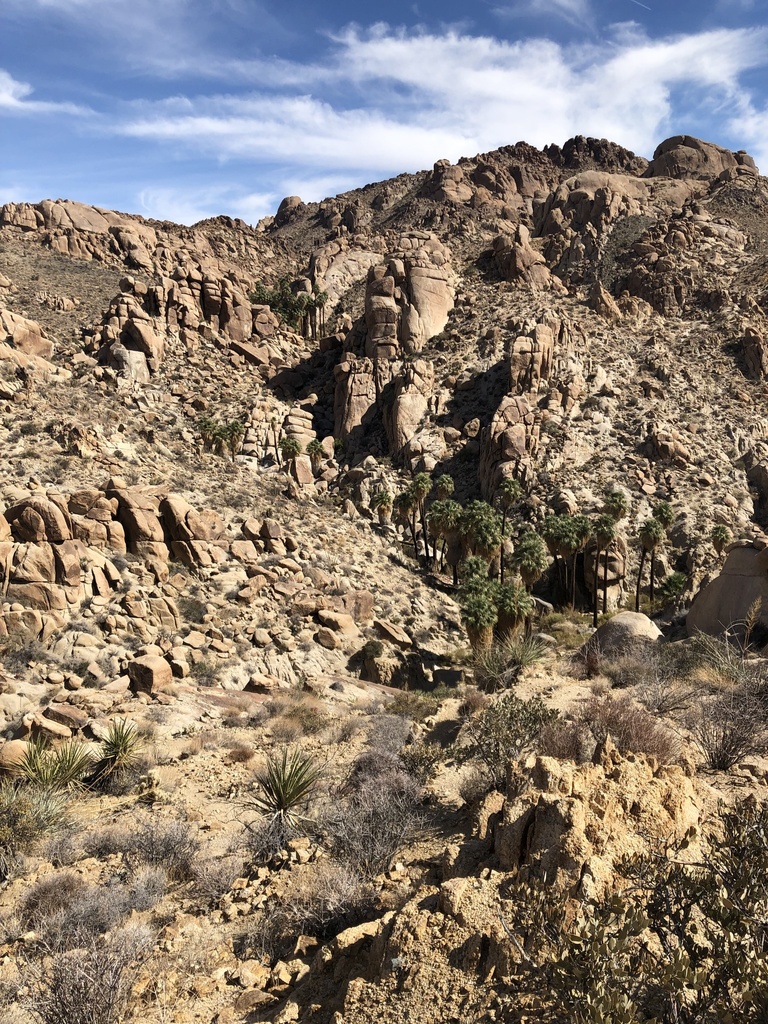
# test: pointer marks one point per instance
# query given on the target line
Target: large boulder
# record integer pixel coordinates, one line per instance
(742, 585)
(622, 633)
(683, 156)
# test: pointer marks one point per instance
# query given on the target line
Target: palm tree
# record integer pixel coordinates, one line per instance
(508, 494)
(479, 615)
(444, 486)
(514, 605)
(664, 513)
(422, 485)
(530, 559)
(616, 505)
(651, 534)
(554, 530)
(404, 506)
(232, 435)
(382, 502)
(582, 531)
(290, 449)
(316, 452)
(482, 530)
(604, 532)
(721, 537)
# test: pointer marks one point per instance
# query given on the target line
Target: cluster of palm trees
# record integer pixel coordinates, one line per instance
(220, 437)
(290, 449)
(470, 538)
(303, 311)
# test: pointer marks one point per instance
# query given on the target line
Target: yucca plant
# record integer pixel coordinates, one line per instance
(121, 750)
(285, 785)
(62, 767)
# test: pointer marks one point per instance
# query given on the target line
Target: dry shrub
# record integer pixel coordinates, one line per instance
(380, 817)
(168, 843)
(240, 754)
(213, 877)
(294, 716)
(474, 702)
(631, 727)
(388, 732)
(326, 898)
(567, 741)
(67, 912)
(88, 985)
(730, 727)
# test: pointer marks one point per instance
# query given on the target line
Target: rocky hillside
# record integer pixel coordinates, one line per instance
(198, 426)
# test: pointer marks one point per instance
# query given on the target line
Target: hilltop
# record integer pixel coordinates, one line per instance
(197, 427)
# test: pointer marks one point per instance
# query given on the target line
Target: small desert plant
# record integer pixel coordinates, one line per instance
(66, 912)
(414, 704)
(631, 728)
(62, 767)
(499, 667)
(91, 984)
(213, 877)
(120, 752)
(290, 448)
(170, 844)
(325, 898)
(285, 786)
(379, 817)
(421, 760)
(729, 727)
(27, 814)
(505, 730)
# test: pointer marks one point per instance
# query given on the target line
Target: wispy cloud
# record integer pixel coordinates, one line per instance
(15, 98)
(576, 12)
(397, 101)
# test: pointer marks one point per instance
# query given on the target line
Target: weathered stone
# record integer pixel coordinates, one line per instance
(149, 674)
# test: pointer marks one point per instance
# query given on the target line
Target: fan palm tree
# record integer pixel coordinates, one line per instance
(604, 532)
(404, 506)
(651, 534)
(422, 485)
(721, 537)
(616, 505)
(508, 494)
(514, 605)
(444, 486)
(530, 558)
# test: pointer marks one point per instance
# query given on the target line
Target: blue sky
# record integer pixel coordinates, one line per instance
(183, 109)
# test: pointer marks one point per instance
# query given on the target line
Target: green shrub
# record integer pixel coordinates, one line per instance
(503, 731)
(27, 814)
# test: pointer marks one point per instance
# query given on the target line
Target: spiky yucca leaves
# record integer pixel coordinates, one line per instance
(120, 752)
(62, 767)
(285, 786)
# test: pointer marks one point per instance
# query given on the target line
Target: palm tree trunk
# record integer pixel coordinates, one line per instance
(653, 559)
(412, 524)
(640, 579)
(596, 595)
(605, 580)
(573, 580)
(423, 517)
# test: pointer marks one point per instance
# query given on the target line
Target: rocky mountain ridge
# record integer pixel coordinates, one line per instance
(191, 537)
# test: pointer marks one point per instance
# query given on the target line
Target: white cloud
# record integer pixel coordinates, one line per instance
(387, 101)
(577, 12)
(188, 205)
(15, 97)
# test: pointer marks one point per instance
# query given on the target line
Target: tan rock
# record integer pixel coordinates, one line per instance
(149, 674)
